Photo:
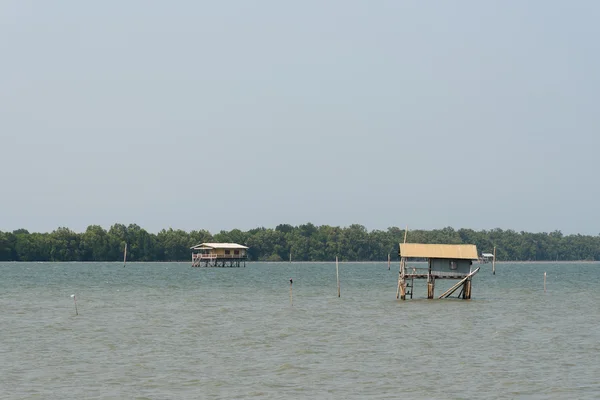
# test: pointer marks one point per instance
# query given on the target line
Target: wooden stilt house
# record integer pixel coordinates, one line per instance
(444, 261)
(485, 258)
(219, 255)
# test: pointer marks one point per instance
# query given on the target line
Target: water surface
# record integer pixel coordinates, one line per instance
(169, 331)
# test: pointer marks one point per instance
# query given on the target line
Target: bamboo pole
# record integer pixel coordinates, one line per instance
(337, 274)
(125, 256)
(494, 262)
(405, 233)
(389, 259)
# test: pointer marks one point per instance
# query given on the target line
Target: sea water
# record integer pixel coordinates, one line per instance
(169, 331)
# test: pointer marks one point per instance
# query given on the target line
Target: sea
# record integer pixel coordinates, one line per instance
(170, 331)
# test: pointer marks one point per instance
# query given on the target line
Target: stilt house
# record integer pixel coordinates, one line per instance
(486, 258)
(444, 261)
(219, 255)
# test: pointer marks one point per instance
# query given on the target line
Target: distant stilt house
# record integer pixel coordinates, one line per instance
(486, 258)
(444, 261)
(219, 255)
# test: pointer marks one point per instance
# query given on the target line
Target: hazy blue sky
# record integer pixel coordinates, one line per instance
(237, 114)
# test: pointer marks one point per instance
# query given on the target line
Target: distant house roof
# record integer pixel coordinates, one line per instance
(453, 251)
(487, 255)
(209, 246)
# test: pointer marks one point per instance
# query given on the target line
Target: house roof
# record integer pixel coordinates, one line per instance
(208, 246)
(487, 254)
(453, 251)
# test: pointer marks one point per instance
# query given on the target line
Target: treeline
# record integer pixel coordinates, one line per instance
(305, 242)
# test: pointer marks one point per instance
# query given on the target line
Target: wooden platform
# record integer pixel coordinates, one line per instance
(433, 276)
(219, 262)
(423, 273)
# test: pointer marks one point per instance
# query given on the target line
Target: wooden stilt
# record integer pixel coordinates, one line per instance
(430, 287)
(403, 289)
(401, 279)
(389, 259)
(459, 284)
(337, 274)
(467, 288)
(494, 262)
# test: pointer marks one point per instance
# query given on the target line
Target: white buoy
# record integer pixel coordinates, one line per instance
(75, 302)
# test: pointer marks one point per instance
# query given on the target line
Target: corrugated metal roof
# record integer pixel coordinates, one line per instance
(487, 254)
(456, 251)
(202, 246)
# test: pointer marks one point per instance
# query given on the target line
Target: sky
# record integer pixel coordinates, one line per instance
(234, 114)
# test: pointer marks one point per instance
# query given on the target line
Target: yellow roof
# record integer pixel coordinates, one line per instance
(456, 251)
(208, 246)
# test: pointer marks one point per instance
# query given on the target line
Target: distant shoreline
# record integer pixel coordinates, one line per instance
(295, 262)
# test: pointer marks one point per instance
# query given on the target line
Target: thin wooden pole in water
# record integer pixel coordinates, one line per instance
(75, 301)
(337, 274)
(389, 261)
(125, 256)
(544, 281)
(291, 295)
(494, 262)
(290, 256)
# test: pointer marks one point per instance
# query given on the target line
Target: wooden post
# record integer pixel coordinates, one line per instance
(494, 262)
(544, 281)
(402, 281)
(430, 287)
(460, 283)
(337, 274)
(400, 278)
(290, 257)
(389, 261)
(467, 289)
(403, 289)
(291, 295)
(125, 256)
(75, 302)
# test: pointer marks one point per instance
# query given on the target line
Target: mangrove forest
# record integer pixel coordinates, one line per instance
(306, 242)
